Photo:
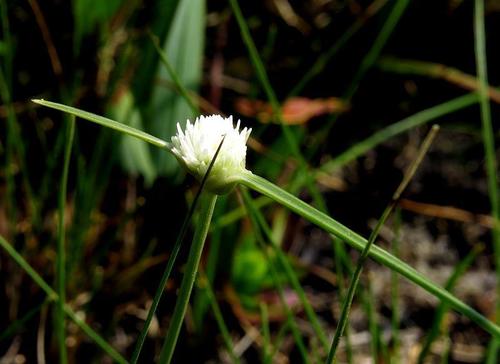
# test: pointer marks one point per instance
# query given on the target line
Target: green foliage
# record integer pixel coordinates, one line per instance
(91, 14)
(184, 47)
(134, 154)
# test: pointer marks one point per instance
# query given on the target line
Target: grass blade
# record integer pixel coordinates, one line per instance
(489, 150)
(289, 272)
(443, 308)
(379, 43)
(395, 303)
(122, 128)
(52, 295)
(392, 130)
(207, 205)
(323, 59)
(259, 234)
(61, 245)
(171, 261)
(219, 318)
(335, 228)
(346, 307)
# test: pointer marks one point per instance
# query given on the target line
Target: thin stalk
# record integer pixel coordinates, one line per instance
(290, 274)
(21, 322)
(346, 307)
(175, 78)
(207, 204)
(171, 261)
(442, 309)
(323, 59)
(373, 328)
(273, 99)
(378, 45)
(338, 251)
(200, 299)
(395, 319)
(356, 241)
(435, 71)
(219, 318)
(280, 337)
(489, 149)
(52, 296)
(259, 235)
(61, 245)
(7, 39)
(266, 332)
(367, 62)
(101, 120)
(15, 144)
(418, 119)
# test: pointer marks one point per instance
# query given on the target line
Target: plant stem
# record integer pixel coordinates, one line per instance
(442, 310)
(288, 270)
(219, 318)
(61, 245)
(207, 207)
(395, 319)
(378, 44)
(356, 241)
(172, 259)
(323, 60)
(346, 307)
(489, 149)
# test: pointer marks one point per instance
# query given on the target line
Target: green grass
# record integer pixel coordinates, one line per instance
(489, 150)
(82, 226)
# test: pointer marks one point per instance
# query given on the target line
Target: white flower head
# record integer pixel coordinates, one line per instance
(195, 148)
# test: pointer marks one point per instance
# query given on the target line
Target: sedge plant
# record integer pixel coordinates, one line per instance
(195, 147)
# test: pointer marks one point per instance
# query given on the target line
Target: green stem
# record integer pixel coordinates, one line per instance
(266, 332)
(378, 44)
(346, 306)
(323, 60)
(259, 236)
(175, 78)
(61, 245)
(163, 281)
(442, 309)
(290, 139)
(356, 241)
(418, 119)
(289, 272)
(395, 319)
(219, 318)
(172, 259)
(207, 208)
(489, 149)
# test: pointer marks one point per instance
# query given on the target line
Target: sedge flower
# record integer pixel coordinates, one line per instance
(195, 148)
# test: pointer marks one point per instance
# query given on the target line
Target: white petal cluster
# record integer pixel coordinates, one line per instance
(196, 146)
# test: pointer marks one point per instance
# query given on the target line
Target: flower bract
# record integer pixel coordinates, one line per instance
(195, 148)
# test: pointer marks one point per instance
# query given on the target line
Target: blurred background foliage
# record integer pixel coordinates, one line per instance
(342, 72)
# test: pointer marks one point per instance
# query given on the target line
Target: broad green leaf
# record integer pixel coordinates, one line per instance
(184, 49)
